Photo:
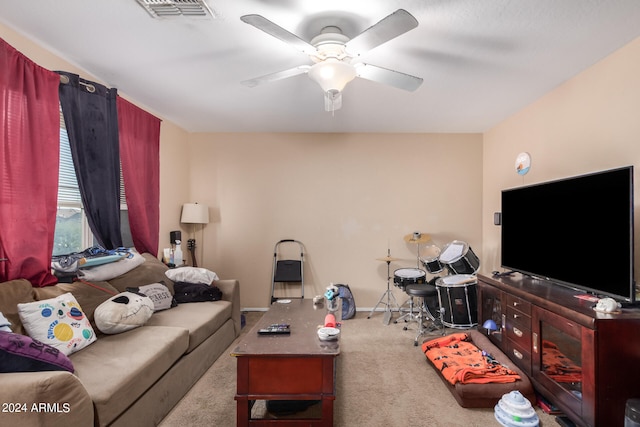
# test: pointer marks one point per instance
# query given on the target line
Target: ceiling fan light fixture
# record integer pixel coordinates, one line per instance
(332, 74)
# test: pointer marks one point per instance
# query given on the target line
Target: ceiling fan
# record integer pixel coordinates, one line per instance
(335, 55)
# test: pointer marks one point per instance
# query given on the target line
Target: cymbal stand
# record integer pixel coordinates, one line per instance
(389, 295)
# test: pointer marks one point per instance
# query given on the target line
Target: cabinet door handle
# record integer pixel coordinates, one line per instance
(517, 331)
(535, 342)
(515, 316)
(504, 322)
(517, 354)
(515, 303)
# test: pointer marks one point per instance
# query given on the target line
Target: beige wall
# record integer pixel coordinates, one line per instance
(590, 123)
(347, 197)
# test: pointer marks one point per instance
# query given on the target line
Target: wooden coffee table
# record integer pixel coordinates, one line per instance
(298, 366)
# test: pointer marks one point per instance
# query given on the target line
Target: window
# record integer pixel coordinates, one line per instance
(72, 232)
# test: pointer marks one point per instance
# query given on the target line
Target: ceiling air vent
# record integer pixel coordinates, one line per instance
(173, 8)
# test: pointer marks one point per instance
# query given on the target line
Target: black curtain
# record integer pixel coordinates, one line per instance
(91, 119)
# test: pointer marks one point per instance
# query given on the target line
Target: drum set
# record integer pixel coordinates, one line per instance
(453, 268)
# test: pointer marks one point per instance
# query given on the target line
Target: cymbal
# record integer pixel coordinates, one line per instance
(388, 259)
(423, 238)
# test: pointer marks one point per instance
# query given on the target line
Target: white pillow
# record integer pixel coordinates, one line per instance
(5, 325)
(123, 312)
(103, 272)
(59, 322)
(191, 275)
(159, 294)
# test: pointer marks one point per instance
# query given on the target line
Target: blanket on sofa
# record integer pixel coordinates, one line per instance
(459, 360)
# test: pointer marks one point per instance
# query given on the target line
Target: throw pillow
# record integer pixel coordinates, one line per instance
(19, 353)
(59, 322)
(159, 294)
(5, 325)
(191, 275)
(123, 312)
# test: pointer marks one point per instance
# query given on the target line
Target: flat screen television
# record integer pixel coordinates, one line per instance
(576, 232)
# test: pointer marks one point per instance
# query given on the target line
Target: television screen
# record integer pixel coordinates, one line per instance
(577, 232)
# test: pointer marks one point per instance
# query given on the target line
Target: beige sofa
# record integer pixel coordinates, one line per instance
(131, 378)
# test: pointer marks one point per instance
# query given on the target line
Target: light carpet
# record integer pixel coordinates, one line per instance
(382, 380)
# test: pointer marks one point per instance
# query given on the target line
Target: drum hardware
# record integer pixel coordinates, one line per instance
(388, 294)
(408, 276)
(417, 238)
(427, 294)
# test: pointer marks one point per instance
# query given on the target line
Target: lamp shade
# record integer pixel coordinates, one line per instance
(490, 325)
(193, 213)
(332, 74)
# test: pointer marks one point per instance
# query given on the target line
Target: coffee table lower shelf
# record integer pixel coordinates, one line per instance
(286, 377)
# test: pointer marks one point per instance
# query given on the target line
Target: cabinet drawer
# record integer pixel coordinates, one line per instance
(520, 356)
(515, 317)
(519, 334)
(518, 304)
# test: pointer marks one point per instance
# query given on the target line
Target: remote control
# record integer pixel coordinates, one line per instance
(275, 329)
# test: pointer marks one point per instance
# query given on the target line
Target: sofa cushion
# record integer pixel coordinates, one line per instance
(123, 312)
(117, 369)
(12, 293)
(200, 319)
(88, 294)
(59, 322)
(152, 271)
(20, 353)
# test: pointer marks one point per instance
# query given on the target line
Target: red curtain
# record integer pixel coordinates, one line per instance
(29, 160)
(140, 159)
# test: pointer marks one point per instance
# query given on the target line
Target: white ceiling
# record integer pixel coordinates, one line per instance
(481, 60)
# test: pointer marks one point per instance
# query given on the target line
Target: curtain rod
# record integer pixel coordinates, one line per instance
(65, 79)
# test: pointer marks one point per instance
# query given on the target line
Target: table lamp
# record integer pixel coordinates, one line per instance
(490, 326)
(193, 213)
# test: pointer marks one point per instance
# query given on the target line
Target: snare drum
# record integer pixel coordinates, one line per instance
(408, 276)
(457, 295)
(459, 258)
(429, 258)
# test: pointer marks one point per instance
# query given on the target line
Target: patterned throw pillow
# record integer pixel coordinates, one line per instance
(58, 322)
(159, 294)
(20, 353)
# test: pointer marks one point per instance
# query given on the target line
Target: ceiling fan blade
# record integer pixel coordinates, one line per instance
(389, 77)
(398, 23)
(267, 78)
(262, 23)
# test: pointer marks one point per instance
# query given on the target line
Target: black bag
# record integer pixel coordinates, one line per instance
(196, 292)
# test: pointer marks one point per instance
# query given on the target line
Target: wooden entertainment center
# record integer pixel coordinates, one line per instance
(590, 365)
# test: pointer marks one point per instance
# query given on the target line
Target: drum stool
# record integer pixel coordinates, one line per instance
(424, 292)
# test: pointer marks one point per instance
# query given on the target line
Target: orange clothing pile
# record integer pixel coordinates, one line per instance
(558, 366)
(459, 360)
